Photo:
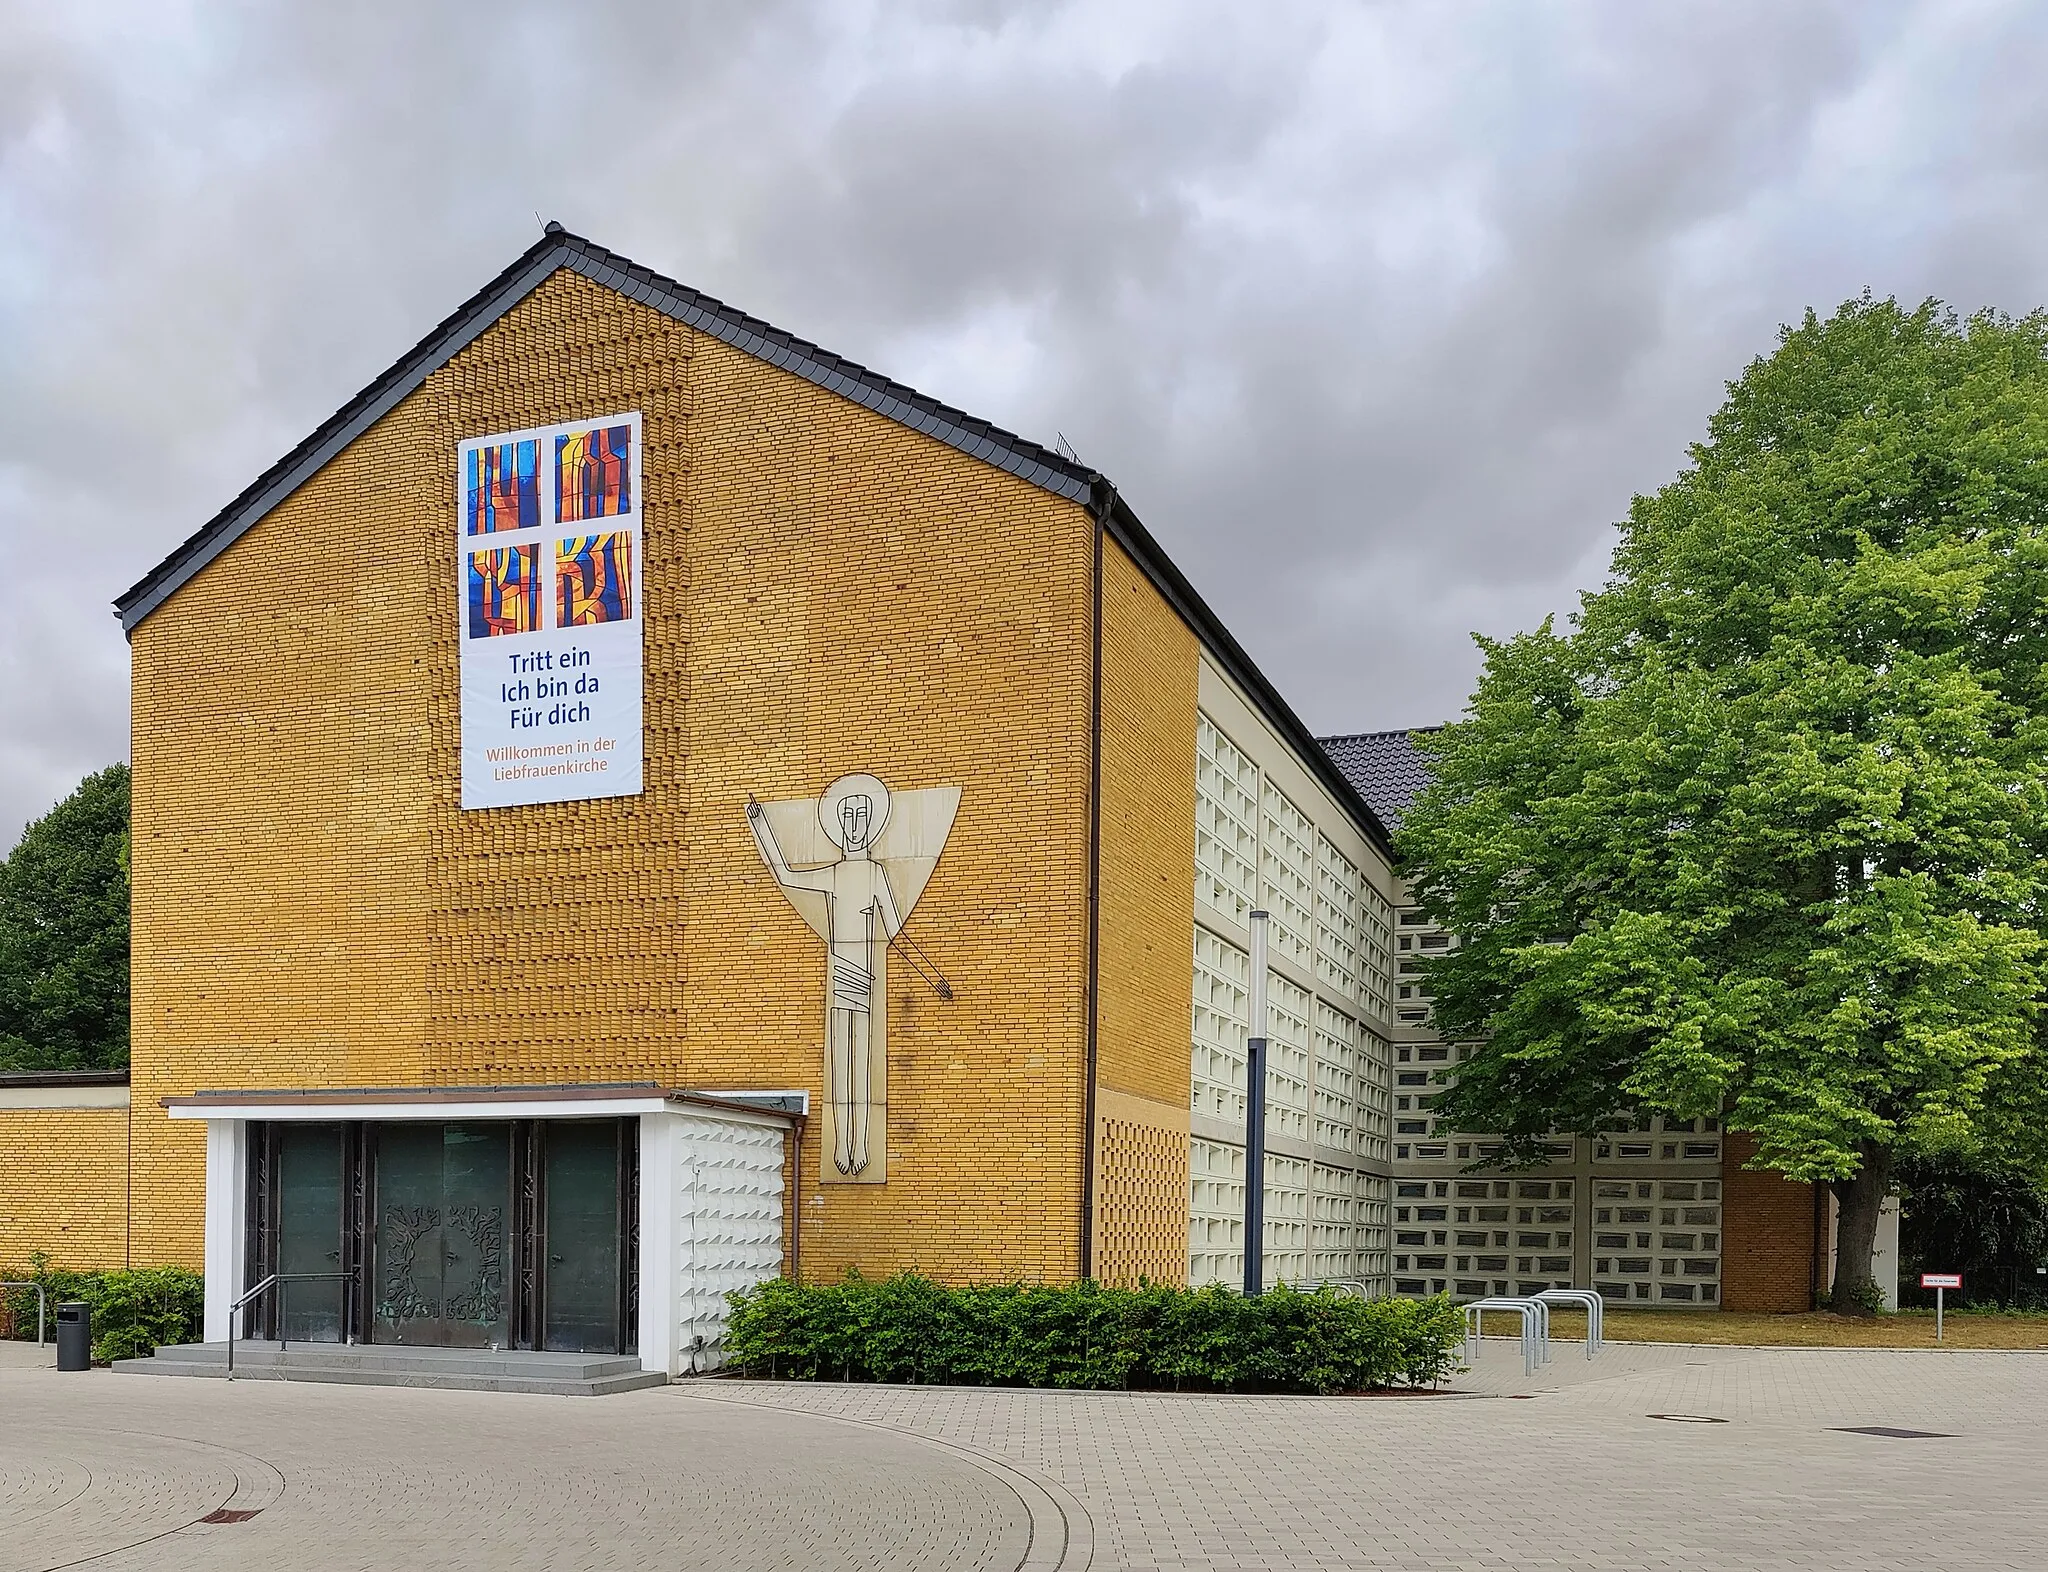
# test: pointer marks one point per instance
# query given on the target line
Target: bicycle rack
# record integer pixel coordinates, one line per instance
(42, 1307)
(1535, 1316)
(1344, 1287)
(1595, 1307)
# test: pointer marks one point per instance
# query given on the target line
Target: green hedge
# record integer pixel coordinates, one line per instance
(1152, 1337)
(133, 1312)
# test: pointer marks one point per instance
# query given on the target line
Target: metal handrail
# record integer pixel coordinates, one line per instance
(264, 1287)
(42, 1307)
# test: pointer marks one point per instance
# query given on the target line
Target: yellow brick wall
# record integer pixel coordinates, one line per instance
(1150, 666)
(826, 591)
(63, 1185)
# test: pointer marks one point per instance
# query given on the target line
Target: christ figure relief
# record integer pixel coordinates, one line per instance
(854, 862)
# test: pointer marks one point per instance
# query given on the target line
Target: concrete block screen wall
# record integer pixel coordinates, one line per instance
(1637, 1215)
(1270, 837)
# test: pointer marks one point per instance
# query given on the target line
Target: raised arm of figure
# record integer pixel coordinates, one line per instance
(771, 853)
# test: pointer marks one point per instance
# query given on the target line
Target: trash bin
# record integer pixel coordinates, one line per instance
(74, 1335)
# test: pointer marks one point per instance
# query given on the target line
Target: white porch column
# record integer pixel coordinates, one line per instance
(660, 1247)
(227, 1187)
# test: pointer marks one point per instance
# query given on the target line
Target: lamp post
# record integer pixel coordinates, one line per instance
(1255, 1118)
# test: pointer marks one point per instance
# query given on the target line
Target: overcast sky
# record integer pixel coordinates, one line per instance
(1378, 314)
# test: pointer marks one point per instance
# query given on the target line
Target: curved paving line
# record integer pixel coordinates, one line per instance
(250, 1473)
(58, 1506)
(1062, 1532)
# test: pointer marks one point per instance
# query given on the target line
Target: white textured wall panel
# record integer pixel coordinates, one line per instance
(728, 1225)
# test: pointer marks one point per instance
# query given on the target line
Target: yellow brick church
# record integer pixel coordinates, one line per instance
(636, 803)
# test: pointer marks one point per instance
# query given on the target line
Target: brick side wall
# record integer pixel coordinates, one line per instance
(1767, 1240)
(1150, 667)
(865, 598)
(63, 1187)
(826, 591)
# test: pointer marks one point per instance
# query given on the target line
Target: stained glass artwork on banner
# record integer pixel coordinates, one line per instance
(593, 579)
(594, 474)
(503, 591)
(502, 488)
(552, 667)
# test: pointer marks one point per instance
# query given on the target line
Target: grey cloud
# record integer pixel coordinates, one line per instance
(1378, 314)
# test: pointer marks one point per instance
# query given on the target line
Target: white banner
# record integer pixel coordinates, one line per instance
(548, 596)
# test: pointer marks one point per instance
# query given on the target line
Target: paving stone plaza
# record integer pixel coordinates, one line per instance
(1566, 1470)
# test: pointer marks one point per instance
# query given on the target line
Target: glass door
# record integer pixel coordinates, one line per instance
(443, 1197)
(582, 1308)
(309, 1212)
(476, 1185)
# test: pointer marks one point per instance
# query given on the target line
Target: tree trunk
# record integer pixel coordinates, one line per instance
(1858, 1200)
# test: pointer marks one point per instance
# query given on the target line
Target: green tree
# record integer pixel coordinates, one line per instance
(1760, 836)
(64, 934)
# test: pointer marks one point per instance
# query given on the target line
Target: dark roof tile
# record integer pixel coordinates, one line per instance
(1383, 767)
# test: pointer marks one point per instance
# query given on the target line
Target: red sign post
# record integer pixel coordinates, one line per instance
(1940, 1282)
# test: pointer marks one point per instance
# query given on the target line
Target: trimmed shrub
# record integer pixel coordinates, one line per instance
(1084, 1335)
(133, 1312)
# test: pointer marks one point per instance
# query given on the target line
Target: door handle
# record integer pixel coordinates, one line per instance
(554, 1260)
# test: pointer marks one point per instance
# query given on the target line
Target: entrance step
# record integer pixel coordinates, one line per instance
(455, 1369)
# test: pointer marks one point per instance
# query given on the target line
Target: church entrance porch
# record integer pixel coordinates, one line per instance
(597, 1220)
(472, 1234)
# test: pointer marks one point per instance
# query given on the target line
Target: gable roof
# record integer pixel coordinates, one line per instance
(979, 439)
(555, 250)
(1383, 767)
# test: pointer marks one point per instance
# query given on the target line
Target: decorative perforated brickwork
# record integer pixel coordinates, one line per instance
(1143, 1179)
